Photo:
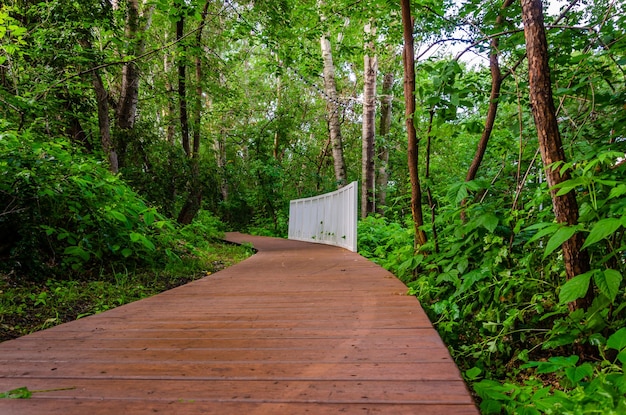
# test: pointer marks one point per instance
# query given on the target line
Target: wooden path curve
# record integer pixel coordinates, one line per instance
(297, 328)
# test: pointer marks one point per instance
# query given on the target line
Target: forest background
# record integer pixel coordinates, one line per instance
(488, 137)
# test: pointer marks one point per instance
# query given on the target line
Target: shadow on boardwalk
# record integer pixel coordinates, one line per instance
(297, 328)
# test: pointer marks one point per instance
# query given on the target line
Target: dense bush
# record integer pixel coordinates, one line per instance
(63, 211)
(496, 292)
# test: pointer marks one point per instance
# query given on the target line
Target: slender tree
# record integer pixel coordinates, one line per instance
(182, 83)
(194, 198)
(542, 104)
(333, 108)
(370, 70)
(409, 100)
(382, 150)
(494, 97)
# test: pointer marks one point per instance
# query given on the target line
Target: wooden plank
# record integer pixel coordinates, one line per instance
(297, 328)
(100, 407)
(300, 391)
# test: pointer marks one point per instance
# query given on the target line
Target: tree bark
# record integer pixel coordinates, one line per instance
(332, 108)
(494, 96)
(104, 123)
(382, 179)
(565, 207)
(370, 71)
(194, 197)
(170, 109)
(409, 99)
(182, 88)
(492, 111)
(129, 93)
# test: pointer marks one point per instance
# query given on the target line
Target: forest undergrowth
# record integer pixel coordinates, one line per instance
(493, 285)
(77, 240)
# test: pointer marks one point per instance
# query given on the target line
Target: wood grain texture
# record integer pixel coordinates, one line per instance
(296, 329)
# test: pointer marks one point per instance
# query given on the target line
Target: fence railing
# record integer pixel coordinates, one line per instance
(330, 218)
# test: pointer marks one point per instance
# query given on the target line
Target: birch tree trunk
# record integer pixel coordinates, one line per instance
(129, 92)
(370, 71)
(565, 206)
(333, 108)
(126, 110)
(382, 178)
(409, 99)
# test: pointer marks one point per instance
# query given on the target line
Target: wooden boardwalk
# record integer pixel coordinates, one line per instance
(298, 328)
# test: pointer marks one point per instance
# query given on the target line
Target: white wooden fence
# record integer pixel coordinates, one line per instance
(330, 218)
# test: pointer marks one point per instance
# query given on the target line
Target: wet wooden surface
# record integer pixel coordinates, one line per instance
(298, 328)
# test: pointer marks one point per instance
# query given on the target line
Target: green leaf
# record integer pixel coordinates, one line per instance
(608, 281)
(77, 251)
(560, 236)
(126, 252)
(117, 215)
(601, 230)
(488, 221)
(544, 229)
(575, 288)
(19, 393)
(617, 340)
(617, 191)
(576, 374)
(148, 217)
(473, 373)
(135, 237)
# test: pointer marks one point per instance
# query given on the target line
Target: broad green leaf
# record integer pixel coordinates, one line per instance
(473, 373)
(575, 288)
(560, 236)
(578, 373)
(117, 215)
(148, 217)
(617, 191)
(77, 251)
(608, 281)
(544, 229)
(617, 340)
(488, 221)
(126, 252)
(135, 237)
(601, 230)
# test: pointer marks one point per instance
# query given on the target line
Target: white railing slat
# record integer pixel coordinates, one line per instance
(330, 218)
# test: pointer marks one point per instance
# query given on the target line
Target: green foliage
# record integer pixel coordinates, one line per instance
(19, 393)
(65, 209)
(496, 293)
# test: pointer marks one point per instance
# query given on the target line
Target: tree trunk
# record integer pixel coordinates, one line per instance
(382, 179)
(542, 104)
(104, 124)
(370, 71)
(182, 88)
(170, 109)
(129, 93)
(332, 107)
(492, 111)
(494, 96)
(194, 197)
(126, 110)
(276, 151)
(409, 99)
